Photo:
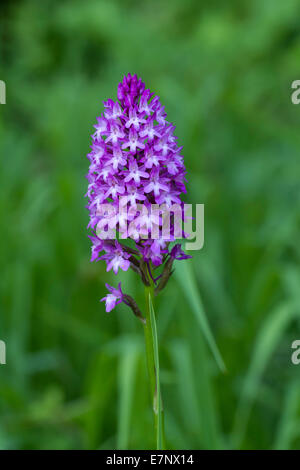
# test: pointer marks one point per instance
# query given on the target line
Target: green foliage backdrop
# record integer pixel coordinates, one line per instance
(76, 377)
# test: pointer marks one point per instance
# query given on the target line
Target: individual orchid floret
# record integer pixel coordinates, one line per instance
(178, 253)
(114, 188)
(133, 195)
(151, 159)
(114, 297)
(116, 258)
(118, 158)
(157, 183)
(135, 173)
(115, 133)
(133, 141)
(149, 130)
(101, 128)
(134, 120)
(97, 247)
(112, 110)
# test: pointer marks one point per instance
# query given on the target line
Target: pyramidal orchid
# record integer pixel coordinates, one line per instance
(136, 165)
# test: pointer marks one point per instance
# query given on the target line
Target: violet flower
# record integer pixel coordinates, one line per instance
(134, 153)
(114, 298)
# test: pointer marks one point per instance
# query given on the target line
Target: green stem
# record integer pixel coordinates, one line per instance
(150, 338)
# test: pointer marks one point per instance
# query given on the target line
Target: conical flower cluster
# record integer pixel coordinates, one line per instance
(135, 161)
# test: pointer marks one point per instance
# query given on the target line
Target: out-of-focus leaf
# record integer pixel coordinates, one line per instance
(185, 277)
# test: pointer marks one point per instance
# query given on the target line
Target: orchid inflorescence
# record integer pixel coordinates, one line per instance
(134, 155)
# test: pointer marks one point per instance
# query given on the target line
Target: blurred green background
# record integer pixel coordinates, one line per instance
(75, 376)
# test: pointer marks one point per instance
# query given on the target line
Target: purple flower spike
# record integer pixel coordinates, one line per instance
(134, 155)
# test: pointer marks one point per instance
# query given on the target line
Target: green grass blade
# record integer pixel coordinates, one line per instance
(186, 278)
(288, 421)
(266, 341)
(159, 436)
(127, 375)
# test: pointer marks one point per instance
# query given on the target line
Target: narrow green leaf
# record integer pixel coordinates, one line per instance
(288, 427)
(127, 375)
(159, 440)
(266, 341)
(186, 278)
